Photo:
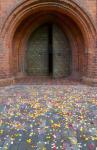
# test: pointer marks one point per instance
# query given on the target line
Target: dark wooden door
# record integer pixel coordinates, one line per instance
(61, 53)
(37, 52)
(48, 52)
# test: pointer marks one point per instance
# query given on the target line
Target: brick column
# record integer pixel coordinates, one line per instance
(91, 77)
(5, 74)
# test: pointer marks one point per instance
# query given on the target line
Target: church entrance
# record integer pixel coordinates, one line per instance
(48, 52)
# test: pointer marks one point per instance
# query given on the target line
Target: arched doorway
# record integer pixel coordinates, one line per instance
(48, 52)
(66, 43)
(25, 18)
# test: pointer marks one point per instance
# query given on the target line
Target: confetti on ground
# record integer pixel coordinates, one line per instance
(48, 117)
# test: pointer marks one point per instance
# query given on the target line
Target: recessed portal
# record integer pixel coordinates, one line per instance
(48, 52)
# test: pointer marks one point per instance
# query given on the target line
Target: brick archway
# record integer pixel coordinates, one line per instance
(75, 42)
(82, 35)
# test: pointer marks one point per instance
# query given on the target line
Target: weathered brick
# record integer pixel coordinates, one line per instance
(78, 21)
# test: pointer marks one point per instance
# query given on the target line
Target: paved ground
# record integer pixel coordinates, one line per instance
(48, 117)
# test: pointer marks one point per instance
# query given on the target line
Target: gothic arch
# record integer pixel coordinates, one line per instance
(68, 8)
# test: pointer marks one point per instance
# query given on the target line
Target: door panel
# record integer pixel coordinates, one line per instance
(37, 53)
(61, 53)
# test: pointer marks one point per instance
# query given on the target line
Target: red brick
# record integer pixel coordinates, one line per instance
(77, 18)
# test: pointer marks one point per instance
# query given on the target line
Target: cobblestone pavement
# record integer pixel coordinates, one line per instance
(48, 117)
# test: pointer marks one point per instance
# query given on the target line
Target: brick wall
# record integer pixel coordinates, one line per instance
(89, 7)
